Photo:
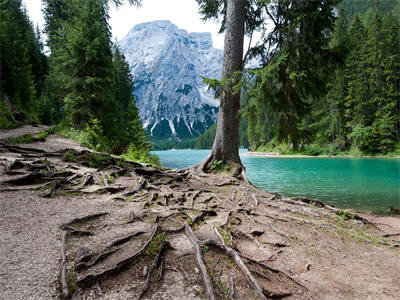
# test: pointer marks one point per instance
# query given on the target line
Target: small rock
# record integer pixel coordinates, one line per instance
(197, 271)
(145, 270)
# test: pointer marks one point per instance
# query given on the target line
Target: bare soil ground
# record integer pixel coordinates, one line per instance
(83, 225)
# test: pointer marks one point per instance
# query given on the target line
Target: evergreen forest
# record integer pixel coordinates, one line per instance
(83, 84)
(344, 100)
(351, 107)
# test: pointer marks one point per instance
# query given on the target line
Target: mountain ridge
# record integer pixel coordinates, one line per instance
(173, 101)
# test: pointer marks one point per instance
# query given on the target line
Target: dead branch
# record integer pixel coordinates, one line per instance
(210, 293)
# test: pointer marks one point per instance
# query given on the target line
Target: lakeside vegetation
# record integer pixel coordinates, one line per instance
(356, 113)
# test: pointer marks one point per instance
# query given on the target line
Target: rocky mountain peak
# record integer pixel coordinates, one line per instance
(167, 64)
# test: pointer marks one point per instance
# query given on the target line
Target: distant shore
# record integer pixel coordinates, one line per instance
(277, 154)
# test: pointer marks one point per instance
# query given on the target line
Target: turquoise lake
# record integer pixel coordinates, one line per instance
(359, 183)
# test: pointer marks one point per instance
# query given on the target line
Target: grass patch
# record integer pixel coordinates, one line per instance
(154, 245)
(345, 215)
(95, 160)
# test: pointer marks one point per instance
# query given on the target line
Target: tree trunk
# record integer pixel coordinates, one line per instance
(226, 142)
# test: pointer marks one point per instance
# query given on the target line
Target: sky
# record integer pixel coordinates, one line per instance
(183, 13)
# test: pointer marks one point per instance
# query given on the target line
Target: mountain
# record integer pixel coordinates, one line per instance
(167, 64)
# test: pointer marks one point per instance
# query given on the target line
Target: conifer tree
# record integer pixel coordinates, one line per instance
(22, 62)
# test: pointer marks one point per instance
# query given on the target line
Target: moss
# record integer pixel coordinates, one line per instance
(154, 245)
(72, 287)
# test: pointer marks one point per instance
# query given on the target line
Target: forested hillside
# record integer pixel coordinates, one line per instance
(355, 110)
(360, 107)
(84, 84)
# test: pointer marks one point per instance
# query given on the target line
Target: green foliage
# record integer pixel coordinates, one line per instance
(138, 155)
(23, 64)
(295, 70)
(29, 138)
(7, 120)
(358, 112)
(90, 80)
(353, 7)
(92, 136)
(218, 166)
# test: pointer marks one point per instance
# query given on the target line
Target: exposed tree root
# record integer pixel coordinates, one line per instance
(92, 278)
(99, 258)
(124, 239)
(391, 234)
(210, 293)
(231, 288)
(82, 219)
(171, 200)
(238, 261)
(63, 268)
(158, 259)
(78, 232)
(140, 184)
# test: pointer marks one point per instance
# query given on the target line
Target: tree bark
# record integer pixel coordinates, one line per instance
(226, 142)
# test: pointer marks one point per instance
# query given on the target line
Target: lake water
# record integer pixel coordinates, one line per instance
(359, 183)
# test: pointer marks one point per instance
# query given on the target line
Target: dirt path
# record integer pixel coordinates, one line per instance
(30, 242)
(143, 247)
(5, 134)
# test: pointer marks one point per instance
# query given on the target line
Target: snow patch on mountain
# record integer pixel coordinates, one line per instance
(167, 64)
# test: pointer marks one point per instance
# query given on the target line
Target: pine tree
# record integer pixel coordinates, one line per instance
(386, 123)
(22, 62)
(130, 125)
(356, 104)
(298, 63)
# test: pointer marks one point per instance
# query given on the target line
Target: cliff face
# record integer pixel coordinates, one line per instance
(167, 64)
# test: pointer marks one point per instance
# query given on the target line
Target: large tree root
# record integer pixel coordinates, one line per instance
(92, 278)
(82, 219)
